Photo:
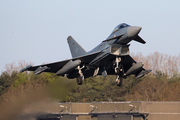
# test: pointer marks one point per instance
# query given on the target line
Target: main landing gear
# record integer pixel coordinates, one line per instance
(119, 80)
(80, 77)
(119, 71)
(79, 80)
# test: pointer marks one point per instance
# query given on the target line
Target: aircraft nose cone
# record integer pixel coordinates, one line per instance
(133, 31)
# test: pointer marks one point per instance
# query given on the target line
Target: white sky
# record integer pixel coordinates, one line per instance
(36, 30)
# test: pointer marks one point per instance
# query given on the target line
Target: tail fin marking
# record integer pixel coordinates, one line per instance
(75, 48)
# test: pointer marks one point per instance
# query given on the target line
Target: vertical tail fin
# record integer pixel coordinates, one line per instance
(75, 48)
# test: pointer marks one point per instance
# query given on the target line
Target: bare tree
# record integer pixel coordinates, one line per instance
(159, 62)
(9, 68)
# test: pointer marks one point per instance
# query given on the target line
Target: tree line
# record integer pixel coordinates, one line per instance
(161, 85)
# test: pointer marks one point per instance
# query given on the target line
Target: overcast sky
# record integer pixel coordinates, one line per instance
(36, 30)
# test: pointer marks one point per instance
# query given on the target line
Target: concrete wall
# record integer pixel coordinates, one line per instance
(111, 106)
(162, 110)
(161, 107)
(155, 110)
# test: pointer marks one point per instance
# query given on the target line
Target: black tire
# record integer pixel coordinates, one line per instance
(79, 80)
(119, 81)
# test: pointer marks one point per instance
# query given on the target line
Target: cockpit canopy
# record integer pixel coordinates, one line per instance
(120, 26)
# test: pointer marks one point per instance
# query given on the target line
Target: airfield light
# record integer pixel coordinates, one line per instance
(93, 107)
(61, 106)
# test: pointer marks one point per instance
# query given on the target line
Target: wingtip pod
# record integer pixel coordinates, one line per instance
(25, 68)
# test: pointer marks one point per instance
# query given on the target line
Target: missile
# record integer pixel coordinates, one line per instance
(134, 68)
(68, 67)
(40, 70)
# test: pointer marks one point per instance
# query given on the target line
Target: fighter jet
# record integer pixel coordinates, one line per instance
(110, 57)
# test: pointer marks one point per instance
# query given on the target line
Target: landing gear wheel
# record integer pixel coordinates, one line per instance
(119, 81)
(79, 80)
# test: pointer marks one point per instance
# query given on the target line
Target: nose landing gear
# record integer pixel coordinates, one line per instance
(119, 71)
